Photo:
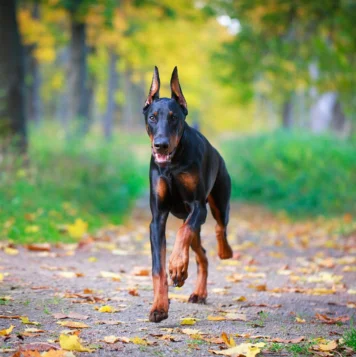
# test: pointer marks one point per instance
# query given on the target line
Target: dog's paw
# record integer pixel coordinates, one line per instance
(196, 299)
(225, 252)
(178, 269)
(158, 315)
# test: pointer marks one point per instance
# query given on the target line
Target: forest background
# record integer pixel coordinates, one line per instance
(271, 83)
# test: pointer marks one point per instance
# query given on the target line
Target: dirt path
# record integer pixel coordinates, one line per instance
(286, 282)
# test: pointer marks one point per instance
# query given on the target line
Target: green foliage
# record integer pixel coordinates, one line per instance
(300, 173)
(300, 349)
(276, 347)
(68, 179)
(279, 40)
(350, 337)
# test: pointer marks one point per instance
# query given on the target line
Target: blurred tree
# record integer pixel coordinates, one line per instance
(279, 40)
(32, 70)
(12, 104)
(81, 79)
(80, 93)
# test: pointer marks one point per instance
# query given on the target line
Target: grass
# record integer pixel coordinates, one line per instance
(97, 181)
(295, 349)
(300, 173)
(350, 337)
(299, 349)
(260, 322)
(276, 347)
(64, 180)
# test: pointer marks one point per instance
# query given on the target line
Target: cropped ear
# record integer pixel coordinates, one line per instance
(177, 93)
(154, 90)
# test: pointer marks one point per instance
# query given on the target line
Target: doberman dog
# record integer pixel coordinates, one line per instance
(186, 172)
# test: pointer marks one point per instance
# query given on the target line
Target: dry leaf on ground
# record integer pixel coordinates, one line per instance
(107, 308)
(39, 247)
(111, 339)
(331, 320)
(188, 321)
(229, 341)
(72, 324)
(25, 320)
(110, 275)
(332, 345)
(244, 349)
(6, 332)
(72, 343)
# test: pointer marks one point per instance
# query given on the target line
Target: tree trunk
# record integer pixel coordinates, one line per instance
(80, 91)
(128, 105)
(62, 98)
(33, 100)
(287, 116)
(108, 119)
(12, 104)
(338, 122)
(33, 80)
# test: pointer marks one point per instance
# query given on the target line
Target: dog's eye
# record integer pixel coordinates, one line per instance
(174, 117)
(152, 118)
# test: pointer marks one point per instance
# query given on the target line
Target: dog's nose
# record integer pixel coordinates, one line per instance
(161, 144)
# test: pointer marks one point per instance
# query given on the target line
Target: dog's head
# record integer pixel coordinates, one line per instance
(165, 118)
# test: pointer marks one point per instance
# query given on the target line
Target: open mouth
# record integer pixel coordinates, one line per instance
(162, 158)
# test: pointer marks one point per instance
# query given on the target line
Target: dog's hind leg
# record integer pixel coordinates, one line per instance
(200, 293)
(219, 202)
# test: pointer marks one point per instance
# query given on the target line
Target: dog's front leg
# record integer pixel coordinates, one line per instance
(159, 202)
(179, 260)
(159, 310)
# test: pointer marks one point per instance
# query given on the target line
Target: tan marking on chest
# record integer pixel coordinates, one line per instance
(161, 188)
(189, 181)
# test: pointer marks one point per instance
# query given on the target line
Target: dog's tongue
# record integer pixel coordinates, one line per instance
(161, 157)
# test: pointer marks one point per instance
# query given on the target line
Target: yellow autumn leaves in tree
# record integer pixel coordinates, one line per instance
(133, 37)
(35, 32)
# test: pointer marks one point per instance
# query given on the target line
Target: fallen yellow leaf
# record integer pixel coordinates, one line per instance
(111, 339)
(299, 320)
(110, 275)
(230, 342)
(138, 341)
(327, 347)
(191, 331)
(25, 320)
(33, 330)
(216, 318)
(78, 228)
(244, 349)
(258, 287)
(106, 308)
(240, 299)
(349, 268)
(7, 332)
(72, 343)
(235, 317)
(72, 324)
(11, 251)
(188, 321)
